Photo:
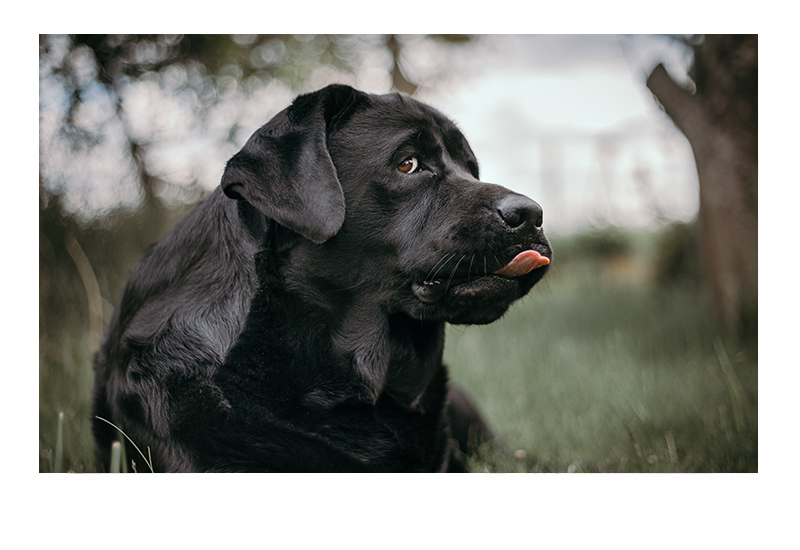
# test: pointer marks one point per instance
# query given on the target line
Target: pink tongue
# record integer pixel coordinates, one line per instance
(523, 263)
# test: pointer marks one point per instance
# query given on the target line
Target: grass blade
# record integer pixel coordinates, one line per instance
(116, 453)
(59, 462)
(149, 464)
(737, 401)
(123, 459)
(673, 451)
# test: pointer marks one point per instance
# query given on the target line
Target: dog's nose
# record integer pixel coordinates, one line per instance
(518, 211)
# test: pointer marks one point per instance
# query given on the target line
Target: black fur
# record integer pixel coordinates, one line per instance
(300, 327)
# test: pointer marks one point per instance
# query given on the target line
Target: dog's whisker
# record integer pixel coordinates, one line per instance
(431, 272)
(469, 271)
(449, 257)
(452, 273)
(443, 261)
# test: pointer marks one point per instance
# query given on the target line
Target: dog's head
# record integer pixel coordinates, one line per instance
(380, 196)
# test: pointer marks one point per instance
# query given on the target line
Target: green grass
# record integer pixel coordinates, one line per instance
(65, 384)
(596, 370)
(589, 375)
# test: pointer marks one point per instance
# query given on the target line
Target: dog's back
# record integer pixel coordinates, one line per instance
(182, 309)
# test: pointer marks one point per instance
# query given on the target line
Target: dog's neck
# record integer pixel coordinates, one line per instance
(392, 354)
(417, 348)
(388, 354)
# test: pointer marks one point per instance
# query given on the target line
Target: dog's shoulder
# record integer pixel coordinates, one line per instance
(196, 284)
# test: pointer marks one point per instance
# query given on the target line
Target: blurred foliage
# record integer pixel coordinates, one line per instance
(209, 59)
(288, 57)
(677, 259)
(595, 244)
(618, 257)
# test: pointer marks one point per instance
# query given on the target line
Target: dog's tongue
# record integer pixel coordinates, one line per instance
(523, 263)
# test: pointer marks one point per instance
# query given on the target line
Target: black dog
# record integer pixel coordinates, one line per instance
(300, 327)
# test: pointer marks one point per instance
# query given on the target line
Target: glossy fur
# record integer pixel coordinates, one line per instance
(294, 321)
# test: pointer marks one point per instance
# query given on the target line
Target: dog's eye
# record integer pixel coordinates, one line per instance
(409, 165)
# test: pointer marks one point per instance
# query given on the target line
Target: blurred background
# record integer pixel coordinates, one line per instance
(637, 353)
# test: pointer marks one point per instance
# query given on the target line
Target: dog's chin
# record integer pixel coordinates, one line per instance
(478, 301)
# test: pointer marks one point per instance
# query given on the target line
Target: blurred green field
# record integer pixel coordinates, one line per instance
(599, 369)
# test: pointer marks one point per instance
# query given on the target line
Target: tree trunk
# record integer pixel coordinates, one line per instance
(721, 124)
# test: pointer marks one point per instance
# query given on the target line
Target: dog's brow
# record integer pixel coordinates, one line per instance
(427, 139)
(417, 139)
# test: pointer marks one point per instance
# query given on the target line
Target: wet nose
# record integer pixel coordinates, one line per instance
(519, 212)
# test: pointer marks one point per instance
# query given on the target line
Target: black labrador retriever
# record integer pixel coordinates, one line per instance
(294, 320)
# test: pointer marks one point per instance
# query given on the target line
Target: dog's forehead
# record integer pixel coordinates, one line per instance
(405, 112)
(393, 119)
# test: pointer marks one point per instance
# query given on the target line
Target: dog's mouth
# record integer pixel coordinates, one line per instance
(464, 286)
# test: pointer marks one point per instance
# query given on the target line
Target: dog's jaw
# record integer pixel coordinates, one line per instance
(477, 301)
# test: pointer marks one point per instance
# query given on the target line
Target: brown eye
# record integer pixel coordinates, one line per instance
(409, 165)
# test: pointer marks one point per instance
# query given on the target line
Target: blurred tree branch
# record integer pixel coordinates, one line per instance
(93, 296)
(686, 111)
(399, 80)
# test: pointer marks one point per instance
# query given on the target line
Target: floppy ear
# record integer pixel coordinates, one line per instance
(285, 170)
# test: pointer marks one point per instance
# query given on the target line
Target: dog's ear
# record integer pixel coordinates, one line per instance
(285, 170)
